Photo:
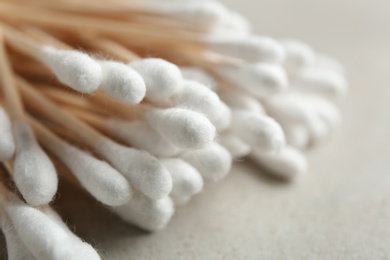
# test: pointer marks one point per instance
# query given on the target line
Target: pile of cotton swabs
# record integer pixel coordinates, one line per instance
(81, 96)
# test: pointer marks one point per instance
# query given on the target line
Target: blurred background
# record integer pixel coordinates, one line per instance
(340, 210)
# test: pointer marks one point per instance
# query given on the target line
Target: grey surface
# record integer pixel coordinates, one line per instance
(339, 210)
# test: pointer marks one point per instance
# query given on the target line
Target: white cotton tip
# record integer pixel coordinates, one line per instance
(298, 54)
(182, 127)
(326, 110)
(237, 24)
(199, 75)
(161, 77)
(187, 181)
(297, 136)
(151, 215)
(236, 147)
(322, 81)
(197, 97)
(326, 62)
(99, 178)
(240, 100)
(212, 162)
(145, 172)
(45, 239)
(34, 173)
(122, 82)
(318, 131)
(250, 48)
(287, 164)
(209, 13)
(140, 135)
(73, 68)
(259, 131)
(260, 79)
(7, 144)
(16, 250)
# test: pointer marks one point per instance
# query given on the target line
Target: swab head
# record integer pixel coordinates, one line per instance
(298, 54)
(297, 136)
(7, 144)
(145, 172)
(259, 131)
(249, 48)
(213, 162)
(209, 13)
(197, 97)
(186, 179)
(184, 128)
(161, 77)
(199, 75)
(140, 135)
(326, 62)
(16, 250)
(241, 100)
(44, 237)
(236, 147)
(151, 215)
(236, 24)
(322, 81)
(105, 183)
(326, 110)
(73, 68)
(122, 82)
(34, 173)
(286, 164)
(260, 79)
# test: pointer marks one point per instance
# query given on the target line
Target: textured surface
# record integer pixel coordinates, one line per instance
(340, 210)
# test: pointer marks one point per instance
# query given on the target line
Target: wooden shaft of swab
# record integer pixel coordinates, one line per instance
(58, 115)
(114, 49)
(45, 37)
(10, 90)
(60, 20)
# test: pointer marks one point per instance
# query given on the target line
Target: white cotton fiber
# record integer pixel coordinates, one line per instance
(122, 82)
(7, 144)
(151, 215)
(45, 239)
(236, 147)
(326, 110)
(259, 131)
(199, 75)
(241, 100)
(213, 161)
(145, 172)
(298, 54)
(322, 81)
(34, 173)
(259, 79)
(198, 97)
(162, 78)
(185, 178)
(251, 48)
(140, 135)
(286, 164)
(99, 178)
(297, 136)
(16, 250)
(184, 128)
(73, 68)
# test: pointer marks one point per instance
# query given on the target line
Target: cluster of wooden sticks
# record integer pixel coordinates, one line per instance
(142, 134)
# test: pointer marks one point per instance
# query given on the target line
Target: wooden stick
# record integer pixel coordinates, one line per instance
(10, 90)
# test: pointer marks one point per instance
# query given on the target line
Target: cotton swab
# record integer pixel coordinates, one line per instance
(241, 100)
(44, 238)
(34, 174)
(185, 178)
(101, 180)
(7, 144)
(144, 171)
(213, 162)
(260, 131)
(16, 250)
(199, 75)
(286, 164)
(151, 215)
(122, 82)
(161, 77)
(236, 147)
(298, 54)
